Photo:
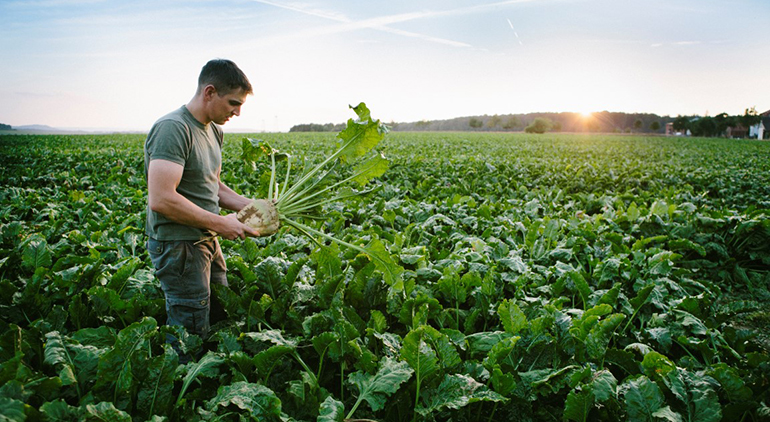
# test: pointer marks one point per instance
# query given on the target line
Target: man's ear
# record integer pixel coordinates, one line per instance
(209, 91)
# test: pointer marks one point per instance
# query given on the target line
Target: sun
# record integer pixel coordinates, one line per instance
(586, 114)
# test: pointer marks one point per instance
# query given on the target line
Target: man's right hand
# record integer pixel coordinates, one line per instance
(231, 228)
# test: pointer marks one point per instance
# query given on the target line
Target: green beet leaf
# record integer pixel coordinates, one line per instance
(582, 286)
(371, 168)
(265, 360)
(57, 355)
(511, 316)
(481, 343)
(578, 405)
(604, 386)
(697, 394)
(115, 381)
(456, 391)
(271, 336)
(252, 151)
(359, 136)
(643, 398)
(257, 400)
(59, 411)
(206, 366)
(331, 410)
(731, 382)
(383, 262)
(428, 352)
(36, 253)
(76, 364)
(374, 389)
(599, 337)
(656, 364)
(156, 382)
(503, 383)
(120, 278)
(12, 410)
(582, 327)
(611, 296)
(105, 412)
(501, 353)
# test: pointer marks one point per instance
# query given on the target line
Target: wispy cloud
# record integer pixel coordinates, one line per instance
(381, 23)
(302, 8)
(514, 32)
(681, 43)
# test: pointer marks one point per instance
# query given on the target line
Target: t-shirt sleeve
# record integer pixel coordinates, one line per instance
(220, 135)
(168, 140)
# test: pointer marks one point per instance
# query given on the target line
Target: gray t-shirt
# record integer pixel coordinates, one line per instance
(180, 138)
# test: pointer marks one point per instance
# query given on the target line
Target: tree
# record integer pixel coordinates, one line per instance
(422, 124)
(5, 127)
(705, 126)
(539, 125)
(723, 121)
(681, 124)
(494, 121)
(475, 123)
(750, 117)
(638, 124)
(511, 123)
(655, 126)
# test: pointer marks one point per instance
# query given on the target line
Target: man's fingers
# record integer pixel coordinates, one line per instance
(250, 231)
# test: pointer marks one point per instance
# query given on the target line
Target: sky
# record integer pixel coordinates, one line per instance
(120, 65)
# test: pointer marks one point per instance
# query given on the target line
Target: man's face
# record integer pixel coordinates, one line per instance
(223, 107)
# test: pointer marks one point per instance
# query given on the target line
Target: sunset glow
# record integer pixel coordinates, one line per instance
(114, 64)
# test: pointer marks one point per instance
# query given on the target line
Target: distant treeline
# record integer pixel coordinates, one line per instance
(5, 127)
(315, 127)
(604, 121)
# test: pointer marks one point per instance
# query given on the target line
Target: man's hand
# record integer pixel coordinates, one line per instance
(230, 228)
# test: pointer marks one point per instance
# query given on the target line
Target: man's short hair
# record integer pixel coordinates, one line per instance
(225, 76)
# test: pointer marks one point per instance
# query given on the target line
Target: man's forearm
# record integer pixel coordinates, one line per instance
(181, 210)
(231, 200)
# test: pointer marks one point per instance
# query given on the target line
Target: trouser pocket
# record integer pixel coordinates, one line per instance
(193, 314)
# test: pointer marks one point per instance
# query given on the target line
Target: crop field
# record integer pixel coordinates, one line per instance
(540, 278)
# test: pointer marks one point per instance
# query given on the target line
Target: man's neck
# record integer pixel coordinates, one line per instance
(196, 108)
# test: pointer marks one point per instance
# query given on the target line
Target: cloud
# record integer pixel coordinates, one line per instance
(514, 32)
(678, 43)
(381, 23)
(301, 8)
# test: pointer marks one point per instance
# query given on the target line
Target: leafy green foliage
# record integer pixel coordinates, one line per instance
(506, 277)
(374, 389)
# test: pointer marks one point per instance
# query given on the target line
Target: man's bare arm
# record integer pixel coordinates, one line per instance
(163, 177)
(231, 200)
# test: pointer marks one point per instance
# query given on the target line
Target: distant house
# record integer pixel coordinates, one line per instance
(737, 131)
(761, 130)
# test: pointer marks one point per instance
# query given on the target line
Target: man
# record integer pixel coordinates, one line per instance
(182, 158)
